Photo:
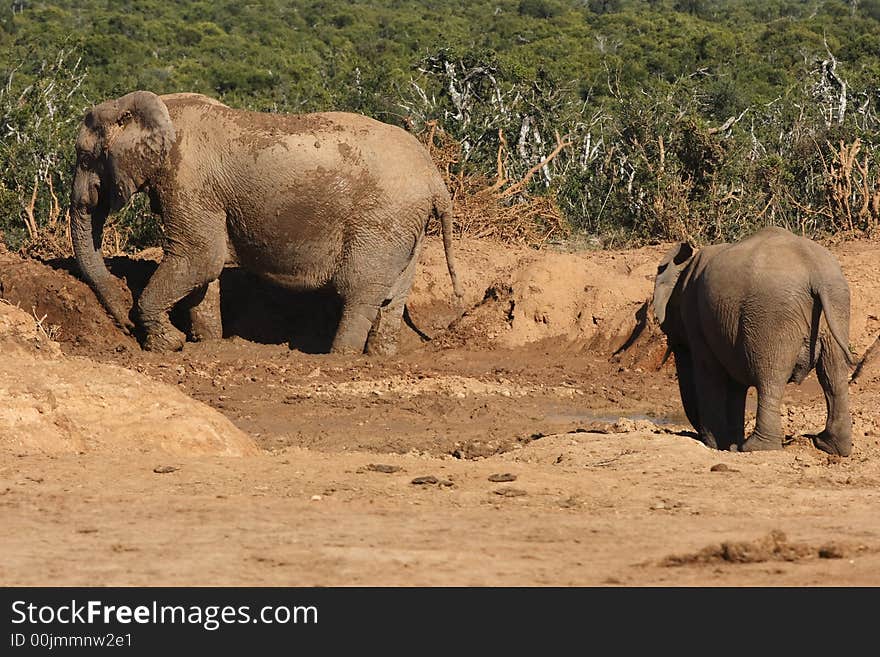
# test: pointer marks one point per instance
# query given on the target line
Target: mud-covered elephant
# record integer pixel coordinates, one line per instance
(761, 312)
(307, 201)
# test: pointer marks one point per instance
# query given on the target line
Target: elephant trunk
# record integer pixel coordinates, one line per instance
(86, 232)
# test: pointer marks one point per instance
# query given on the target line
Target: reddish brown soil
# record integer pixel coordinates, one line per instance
(550, 376)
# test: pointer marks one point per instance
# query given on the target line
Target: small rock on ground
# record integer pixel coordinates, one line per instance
(507, 491)
(386, 469)
(431, 480)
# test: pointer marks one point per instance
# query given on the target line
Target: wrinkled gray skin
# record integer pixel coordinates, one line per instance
(761, 312)
(307, 201)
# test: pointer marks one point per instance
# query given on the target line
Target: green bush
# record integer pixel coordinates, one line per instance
(666, 119)
(40, 107)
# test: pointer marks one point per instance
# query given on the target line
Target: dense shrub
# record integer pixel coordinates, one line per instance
(627, 120)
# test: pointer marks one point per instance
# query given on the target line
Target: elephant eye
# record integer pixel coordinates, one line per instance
(662, 268)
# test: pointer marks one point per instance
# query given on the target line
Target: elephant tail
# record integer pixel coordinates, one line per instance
(836, 330)
(443, 212)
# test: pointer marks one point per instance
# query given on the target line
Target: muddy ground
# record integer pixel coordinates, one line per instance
(534, 440)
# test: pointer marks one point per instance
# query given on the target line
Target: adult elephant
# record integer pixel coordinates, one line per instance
(761, 312)
(306, 201)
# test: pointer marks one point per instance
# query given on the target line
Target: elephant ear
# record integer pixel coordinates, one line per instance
(668, 272)
(138, 134)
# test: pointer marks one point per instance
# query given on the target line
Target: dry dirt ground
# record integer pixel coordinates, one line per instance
(532, 441)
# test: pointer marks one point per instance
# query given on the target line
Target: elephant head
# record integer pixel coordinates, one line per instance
(665, 301)
(667, 310)
(120, 149)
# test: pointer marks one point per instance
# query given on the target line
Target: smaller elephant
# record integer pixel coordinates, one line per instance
(761, 312)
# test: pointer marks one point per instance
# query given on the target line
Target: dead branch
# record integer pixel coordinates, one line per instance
(824, 212)
(728, 124)
(29, 219)
(479, 210)
(52, 333)
(430, 140)
(662, 150)
(829, 66)
(501, 178)
(54, 205)
(513, 189)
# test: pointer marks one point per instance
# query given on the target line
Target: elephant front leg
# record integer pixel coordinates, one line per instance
(175, 278)
(832, 373)
(712, 387)
(768, 425)
(684, 369)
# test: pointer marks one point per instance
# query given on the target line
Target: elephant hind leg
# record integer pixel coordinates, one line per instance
(357, 319)
(833, 372)
(736, 415)
(374, 287)
(384, 335)
(768, 426)
(806, 360)
(361, 302)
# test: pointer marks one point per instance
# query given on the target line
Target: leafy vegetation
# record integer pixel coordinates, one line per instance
(627, 120)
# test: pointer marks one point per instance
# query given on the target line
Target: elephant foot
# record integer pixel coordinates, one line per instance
(205, 328)
(758, 443)
(381, 348)
(346, 350)
(709, 440)
(168, 340)
(833, 445)
(383, 336)
(720, 445)
(127, 326)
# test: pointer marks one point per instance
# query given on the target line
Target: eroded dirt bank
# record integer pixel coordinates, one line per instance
(548, 372)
